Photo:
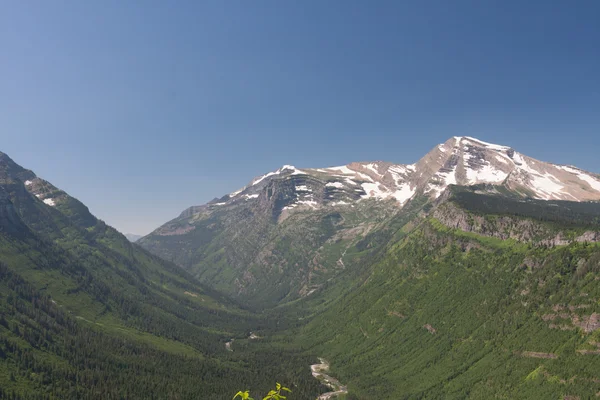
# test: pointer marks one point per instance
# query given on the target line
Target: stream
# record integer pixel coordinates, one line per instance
(318, 371)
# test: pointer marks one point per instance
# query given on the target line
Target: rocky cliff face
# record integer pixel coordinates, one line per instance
(509, 227)
(459, 161)
(467, 161)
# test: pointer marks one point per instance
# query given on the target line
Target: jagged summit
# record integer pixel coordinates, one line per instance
(468, 161)
(461, 160)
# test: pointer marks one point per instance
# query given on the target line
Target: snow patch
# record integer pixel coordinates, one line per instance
(400, 169)
(400, 173)
(295, 171)
(233, 194)
(49, 202)
(373, 167)
(251, 196)
(488, 145)
(365, 176)
(28, 182)
(339, 203)
(374, 190)
(338, 185)
(593, 182)
(258, 180)
(446, 178)
(518, 159)
(437, 190)
(501, 159)
(487, 173)
(303, 188)
(568, 169)
(299, 172)
(404, 193)
(343, 169)
(311, 203)
(545, 185)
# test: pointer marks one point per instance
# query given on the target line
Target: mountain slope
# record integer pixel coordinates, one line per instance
(466, 161)
(478, 296)
(287, 233)
(87, 314)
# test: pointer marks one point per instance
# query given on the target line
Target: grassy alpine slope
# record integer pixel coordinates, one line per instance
(86, 314)
(452, 313)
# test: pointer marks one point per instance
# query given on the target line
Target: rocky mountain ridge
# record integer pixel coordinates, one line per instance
(287, 233)
(461, 161)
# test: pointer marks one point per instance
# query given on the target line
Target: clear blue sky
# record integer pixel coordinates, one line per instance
(142, 108)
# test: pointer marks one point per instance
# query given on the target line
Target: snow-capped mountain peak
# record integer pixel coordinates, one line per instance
(461, 160)
(469, 161)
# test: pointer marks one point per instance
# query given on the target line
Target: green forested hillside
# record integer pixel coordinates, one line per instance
(444, 313)
(86, 314)
(479, 294)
